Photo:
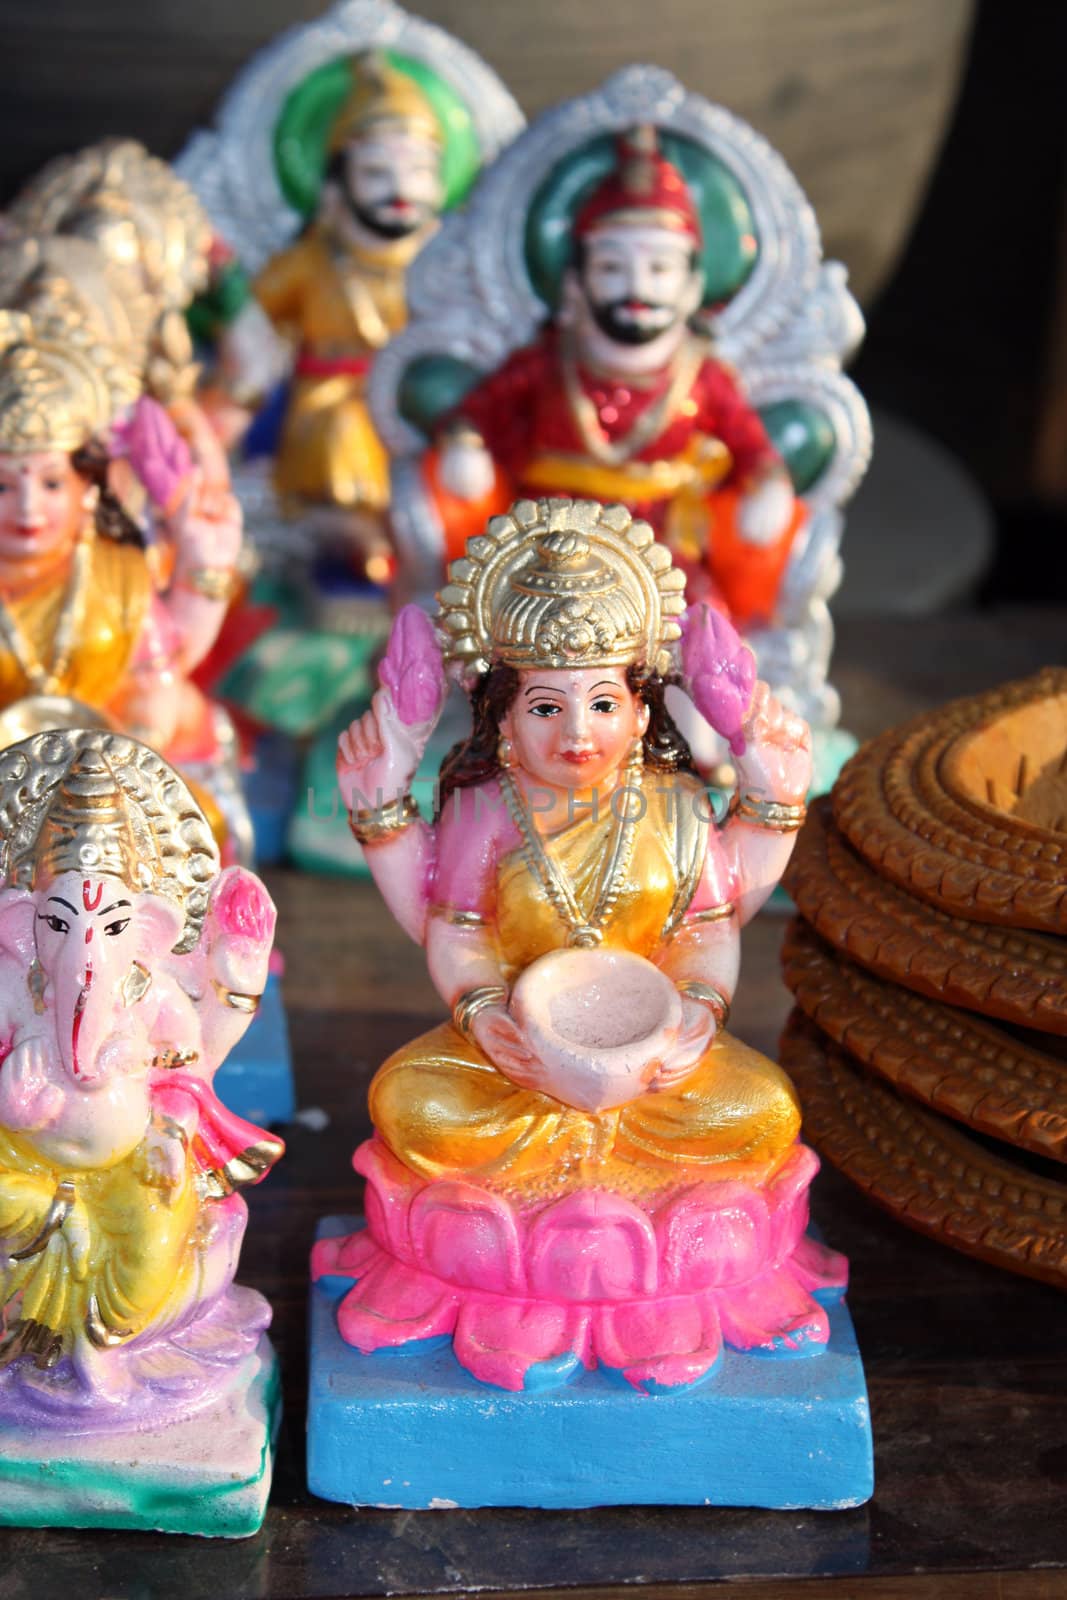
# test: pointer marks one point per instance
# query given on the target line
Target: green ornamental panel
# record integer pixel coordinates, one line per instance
(804, 438)
(431, 387)
(730, 242)
(303, 129)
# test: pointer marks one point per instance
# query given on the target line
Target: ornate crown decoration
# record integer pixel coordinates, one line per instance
(59, 385)
(132, 205)
(562, 583)
(380, 95)
(87, 800)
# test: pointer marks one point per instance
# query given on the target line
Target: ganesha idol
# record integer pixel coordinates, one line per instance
(136, 1385)
(582, 1169)
(94, 625)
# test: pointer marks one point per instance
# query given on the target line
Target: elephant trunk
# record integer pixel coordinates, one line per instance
(85, 1016)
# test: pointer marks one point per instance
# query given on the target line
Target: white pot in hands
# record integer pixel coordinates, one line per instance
(600, 1022)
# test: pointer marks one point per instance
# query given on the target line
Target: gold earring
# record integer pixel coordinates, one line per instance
(505, 754)
(136, 984)
(91, 498)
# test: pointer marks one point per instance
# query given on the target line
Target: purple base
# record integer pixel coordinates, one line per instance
(149, 1383)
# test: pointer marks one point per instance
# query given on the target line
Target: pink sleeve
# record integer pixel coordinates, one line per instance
(717, 885)
(471, 831)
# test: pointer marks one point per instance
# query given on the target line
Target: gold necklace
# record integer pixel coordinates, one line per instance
(42, 679)
(584, 933)
(649, 425)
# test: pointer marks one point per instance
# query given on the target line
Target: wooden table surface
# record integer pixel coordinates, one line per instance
(966, 1366)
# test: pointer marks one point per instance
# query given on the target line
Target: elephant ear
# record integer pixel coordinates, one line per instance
(18, 912)
(159, 923)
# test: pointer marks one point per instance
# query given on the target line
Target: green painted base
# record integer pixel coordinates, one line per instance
(207, 1474)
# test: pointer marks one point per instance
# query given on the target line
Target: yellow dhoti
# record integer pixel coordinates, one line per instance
(141, 1258)
(443, 1108)
(329, 449)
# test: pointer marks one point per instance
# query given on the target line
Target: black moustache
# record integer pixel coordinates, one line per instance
(612, 319)
(386, 227)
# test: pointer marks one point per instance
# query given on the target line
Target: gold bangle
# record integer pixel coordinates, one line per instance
(772, 814)
(696, 989)
(235, 999)
(380, 822)
(459, 919)
(699, 919)
(214, 583)
(472, 1001)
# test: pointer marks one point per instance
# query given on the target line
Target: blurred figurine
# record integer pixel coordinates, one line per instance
(620, 398)
(634, 307)
(136, 1387)
(340, 291)
(88, 616)
(582, 1167)
(115, 235)
(335, 153)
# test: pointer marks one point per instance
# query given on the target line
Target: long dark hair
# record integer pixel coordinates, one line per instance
(475, 760)
(91, 462)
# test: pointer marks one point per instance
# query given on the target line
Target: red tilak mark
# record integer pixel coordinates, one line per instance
(89, 934)
(79, 1012)
(91, 905)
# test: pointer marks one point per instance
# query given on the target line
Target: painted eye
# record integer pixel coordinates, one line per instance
(57, 924)
(53, 484)
(545, 708)
(119, 926)
(605, 706)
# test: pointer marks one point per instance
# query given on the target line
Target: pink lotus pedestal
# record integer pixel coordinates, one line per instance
(584, 1351)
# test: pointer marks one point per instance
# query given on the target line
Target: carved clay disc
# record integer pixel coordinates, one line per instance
(967, 806)
(920, 1168)
(1018, 976)
(970, 1070)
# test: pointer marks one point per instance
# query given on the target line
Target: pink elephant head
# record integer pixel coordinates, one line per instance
(96, 942)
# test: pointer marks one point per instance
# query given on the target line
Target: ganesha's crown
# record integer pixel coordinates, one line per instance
(562, 583)
(88, 800)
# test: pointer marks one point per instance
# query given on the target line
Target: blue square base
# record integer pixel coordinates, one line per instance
(256, 1079)
(414, 1430)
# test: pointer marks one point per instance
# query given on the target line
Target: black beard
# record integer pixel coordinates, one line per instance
(606, 315)
(385, 227)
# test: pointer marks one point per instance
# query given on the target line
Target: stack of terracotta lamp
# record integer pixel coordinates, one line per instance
(929, 969)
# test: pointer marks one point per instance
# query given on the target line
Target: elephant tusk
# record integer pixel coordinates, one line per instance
(60, 1209)
(103, 1337)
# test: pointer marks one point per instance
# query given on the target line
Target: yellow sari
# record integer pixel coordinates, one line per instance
(443, 1108)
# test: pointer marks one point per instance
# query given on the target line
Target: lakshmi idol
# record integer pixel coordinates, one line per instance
(88, 617)
(582, 1166)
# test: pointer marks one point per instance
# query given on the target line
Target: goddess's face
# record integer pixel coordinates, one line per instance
(639, 281)
(393, 181)
(41, 504)
(574, 729)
